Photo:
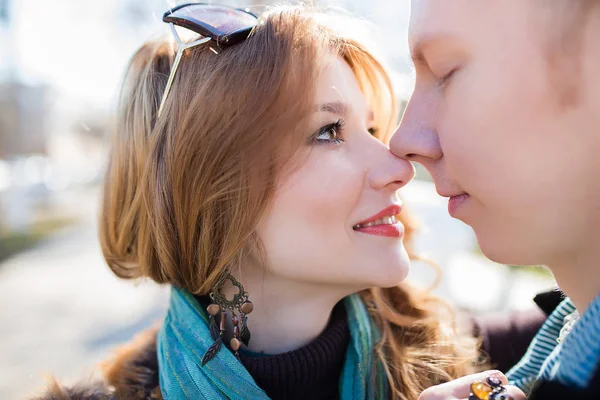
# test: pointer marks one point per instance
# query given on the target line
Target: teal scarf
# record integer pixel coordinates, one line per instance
(185, 337)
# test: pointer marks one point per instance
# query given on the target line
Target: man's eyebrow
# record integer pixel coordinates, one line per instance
(420, 43)
(335, 107)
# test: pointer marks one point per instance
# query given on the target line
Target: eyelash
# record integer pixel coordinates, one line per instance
(444, 79)
(337, 127)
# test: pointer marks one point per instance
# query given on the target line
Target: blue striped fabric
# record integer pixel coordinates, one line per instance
(579, 357)
(572, 362)
(526, 372)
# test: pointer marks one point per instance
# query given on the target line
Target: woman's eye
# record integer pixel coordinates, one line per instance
(330, 133)
(373, 131)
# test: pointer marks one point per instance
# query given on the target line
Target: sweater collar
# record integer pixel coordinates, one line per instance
(312, 371)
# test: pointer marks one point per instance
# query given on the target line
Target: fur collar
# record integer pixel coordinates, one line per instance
(132, 374)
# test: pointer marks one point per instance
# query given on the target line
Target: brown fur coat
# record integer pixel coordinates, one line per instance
(132, 374)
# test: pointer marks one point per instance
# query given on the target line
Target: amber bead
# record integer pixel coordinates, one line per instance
(213, 309)
(235, 344)
(247, 307)
(481, 390)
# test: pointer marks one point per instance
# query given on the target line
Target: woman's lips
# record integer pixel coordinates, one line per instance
(394, 230)
(383, 223)
(390, 211)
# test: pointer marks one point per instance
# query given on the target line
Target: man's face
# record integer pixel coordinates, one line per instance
(515, 149)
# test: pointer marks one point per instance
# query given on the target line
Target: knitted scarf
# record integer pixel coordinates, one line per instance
(185, 337)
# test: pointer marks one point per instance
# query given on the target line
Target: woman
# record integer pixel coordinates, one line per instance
(505, 117)
(254, 178)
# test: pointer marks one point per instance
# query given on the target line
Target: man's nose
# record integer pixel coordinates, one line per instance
(416, 138)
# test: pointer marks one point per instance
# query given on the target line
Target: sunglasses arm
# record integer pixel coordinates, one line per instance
(181, 47)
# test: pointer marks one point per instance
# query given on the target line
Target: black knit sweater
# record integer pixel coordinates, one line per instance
(310, 372)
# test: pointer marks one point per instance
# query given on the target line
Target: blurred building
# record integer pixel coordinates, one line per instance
(23, 111)
(23, 115)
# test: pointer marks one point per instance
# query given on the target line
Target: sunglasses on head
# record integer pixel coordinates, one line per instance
(224, 25)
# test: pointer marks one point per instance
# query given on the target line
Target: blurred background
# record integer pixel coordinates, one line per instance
(61, 309)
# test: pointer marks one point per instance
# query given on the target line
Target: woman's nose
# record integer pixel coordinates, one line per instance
(390, 172)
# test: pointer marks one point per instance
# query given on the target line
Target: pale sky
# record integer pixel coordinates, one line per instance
(81, 47)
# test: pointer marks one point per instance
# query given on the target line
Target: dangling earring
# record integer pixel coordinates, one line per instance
(239, 307)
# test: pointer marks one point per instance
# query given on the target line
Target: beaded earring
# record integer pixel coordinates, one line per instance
(239, 308)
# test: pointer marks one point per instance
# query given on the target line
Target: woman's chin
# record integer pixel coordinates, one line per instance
(389, 273)
(395, 277)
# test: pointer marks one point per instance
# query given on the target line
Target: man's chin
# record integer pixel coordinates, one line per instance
(507, 252)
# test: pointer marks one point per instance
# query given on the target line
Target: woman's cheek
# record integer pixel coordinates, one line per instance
(327, 189)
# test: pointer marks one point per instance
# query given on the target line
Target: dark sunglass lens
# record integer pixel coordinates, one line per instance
(223, 20)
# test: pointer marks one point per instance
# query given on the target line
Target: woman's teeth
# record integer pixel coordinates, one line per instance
(380, 221)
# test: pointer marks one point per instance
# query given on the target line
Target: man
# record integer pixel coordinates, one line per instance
(505, 116)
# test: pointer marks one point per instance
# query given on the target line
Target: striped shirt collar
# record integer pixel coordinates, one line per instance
(557, 355)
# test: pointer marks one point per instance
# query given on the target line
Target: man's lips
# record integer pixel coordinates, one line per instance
(456, 200)
(449, 193)
(455, 203)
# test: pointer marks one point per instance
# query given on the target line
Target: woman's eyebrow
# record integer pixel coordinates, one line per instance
(335, 107)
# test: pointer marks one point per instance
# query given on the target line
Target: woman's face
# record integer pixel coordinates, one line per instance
(339, 180)
(506, 117)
